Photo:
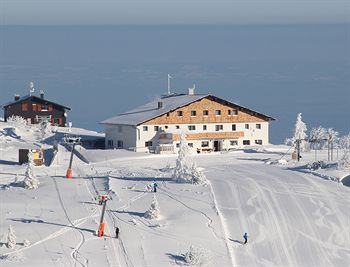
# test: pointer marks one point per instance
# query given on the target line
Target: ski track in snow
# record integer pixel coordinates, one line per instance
(75, 253)
(127, 260)
(278, 220)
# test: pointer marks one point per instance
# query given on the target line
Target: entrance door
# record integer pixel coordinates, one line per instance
(217, 145)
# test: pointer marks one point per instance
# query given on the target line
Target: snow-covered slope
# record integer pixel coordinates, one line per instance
(292, 217)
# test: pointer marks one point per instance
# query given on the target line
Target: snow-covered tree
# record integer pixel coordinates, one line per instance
(344, 142)
(185, 170)
(344, 162)
(318, 136)
(11, 238)
(332, 135)
(30, 181)
(300, 132)
(154, 211)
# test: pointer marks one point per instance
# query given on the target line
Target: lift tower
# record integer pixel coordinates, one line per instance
(72, 140)
(101, 228)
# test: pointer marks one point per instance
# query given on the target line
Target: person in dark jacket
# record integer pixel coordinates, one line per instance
(116, 232)
(245, 236)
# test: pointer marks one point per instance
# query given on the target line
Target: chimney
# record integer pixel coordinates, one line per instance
(160, 104)
(42, 94)
(17, 97)
(191, 90)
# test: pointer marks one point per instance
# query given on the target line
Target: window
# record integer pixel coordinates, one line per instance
(34, 107)
(219, 127)
(229, 112)
(166, 126)
(246, 126)
(234, 112)
(156, 128)
(24, 107)
(205, 143)
(168, 114)
(218, 112)
(258, 126)
(179, 113)
(191, 127)
(234, 127)
(148, 143)
(193, 113)
(177, 126)
(177, 145)
(246, 142)
(44, 107)
(258, 142)
(205, 112)
(145, 128)
(119, 144)
(110, 143)
(233, 143)
(190, 144)
(204, 127)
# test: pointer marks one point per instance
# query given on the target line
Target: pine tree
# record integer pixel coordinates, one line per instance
(154, 211)
(30, 181)
(11, 238)
(300, 132)
(185, 170)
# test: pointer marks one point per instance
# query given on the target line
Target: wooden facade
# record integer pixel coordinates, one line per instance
(208, 110)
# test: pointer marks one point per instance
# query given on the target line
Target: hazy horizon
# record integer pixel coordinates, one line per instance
(121, 12)
(101, 71)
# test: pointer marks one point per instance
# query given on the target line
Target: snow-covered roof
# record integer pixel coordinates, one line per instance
(150, 110)
(32, 96)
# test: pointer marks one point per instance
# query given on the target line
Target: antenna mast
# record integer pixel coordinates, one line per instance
(31, 87)
(169, 77)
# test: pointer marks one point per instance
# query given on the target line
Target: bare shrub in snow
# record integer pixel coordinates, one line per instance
(344, 162)
(317, 165)
(11, 238)
(185, 170)
(154, 211)
(195, 256)
(17, 121)
(30, 181)
(26, 243)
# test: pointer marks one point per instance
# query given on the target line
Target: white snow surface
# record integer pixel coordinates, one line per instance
(293, 216)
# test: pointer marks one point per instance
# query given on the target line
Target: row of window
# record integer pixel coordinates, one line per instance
(205, 144)
(218, 127)
(230, 112)
(36, 107)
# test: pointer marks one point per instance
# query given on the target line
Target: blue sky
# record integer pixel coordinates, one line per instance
(49, 12)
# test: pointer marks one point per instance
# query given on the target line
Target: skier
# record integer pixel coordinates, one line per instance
(116, 232)
(155, 187)
(245, 236)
